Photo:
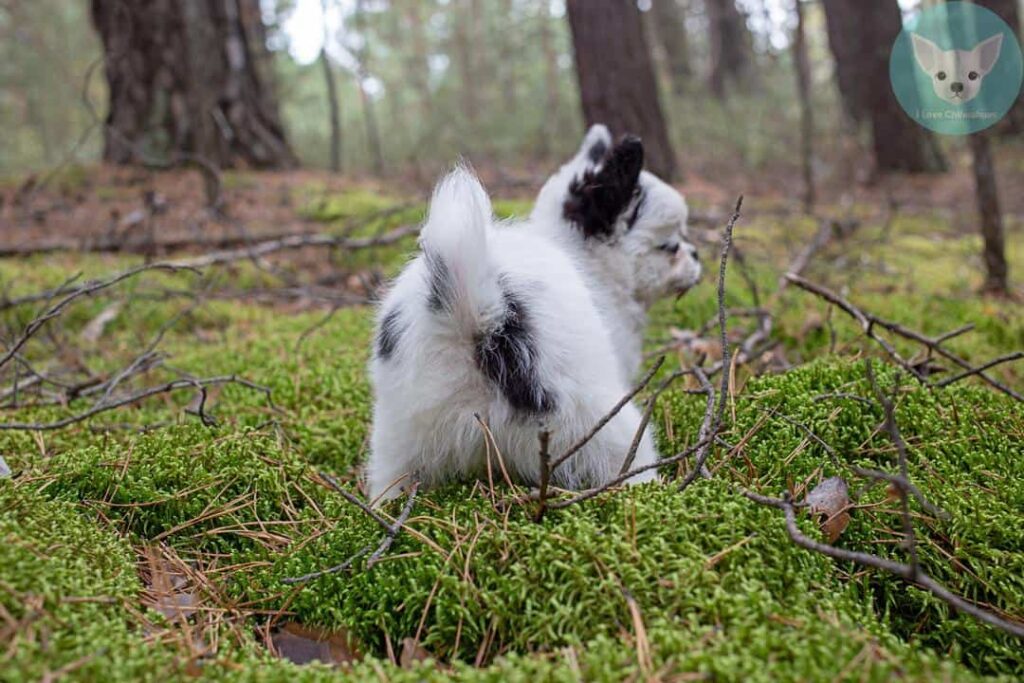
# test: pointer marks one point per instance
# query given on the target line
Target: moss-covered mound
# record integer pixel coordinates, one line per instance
(640, 583)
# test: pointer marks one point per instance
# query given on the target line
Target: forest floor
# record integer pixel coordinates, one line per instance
(157, 540)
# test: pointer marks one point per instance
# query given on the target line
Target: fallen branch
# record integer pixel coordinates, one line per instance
(166, 388)
(869, 322)
(907, 572)
(391, 532)
(716, 424)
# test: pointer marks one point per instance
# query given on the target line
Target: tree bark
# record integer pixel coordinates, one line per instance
(332, 97)
(362, 57)
(666, 22)
(994, 250)
(803, 84)
(731, 51)
(861, 35)
(1009, 11)
(616, 77)
(552, 92)
(189, 78)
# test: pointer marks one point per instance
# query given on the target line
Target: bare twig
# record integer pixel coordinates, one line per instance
(716, 424)
(869, 322)
(608, 416)
(392, 532)
(166, 388)
(545, 475)
(85, 289)
(907, 572)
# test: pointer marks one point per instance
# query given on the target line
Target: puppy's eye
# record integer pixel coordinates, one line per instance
(670, 247)
(941, 75)
(973, 75)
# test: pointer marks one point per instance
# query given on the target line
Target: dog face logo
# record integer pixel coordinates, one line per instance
(957, 75)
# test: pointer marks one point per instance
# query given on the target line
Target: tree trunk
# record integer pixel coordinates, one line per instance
(417, 67)
(803, 86)
(861, 35)
(1009, 11)
(189, 78)
(731, 51)
(552, 92)
(845, 43)
(666, 22)
(994, 250)
(362, 57)
(332, 97)
(616, 77)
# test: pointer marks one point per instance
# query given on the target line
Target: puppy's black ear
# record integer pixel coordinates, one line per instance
(598, 197)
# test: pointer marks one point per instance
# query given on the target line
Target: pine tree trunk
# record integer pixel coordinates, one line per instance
(994, 250)
(666, 23)
(731, 52)
(1009, 11)
(861, 35)
(616, 77)
(189, 77)
(552, 92)
(331, 86)
(362, 57)
(802, 67)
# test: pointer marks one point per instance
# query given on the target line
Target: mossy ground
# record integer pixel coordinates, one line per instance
(643, 582)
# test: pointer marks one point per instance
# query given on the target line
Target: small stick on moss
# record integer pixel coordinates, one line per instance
(893, 430)
(168, 387)
(395, 528)
(598, 490)
(333, 483)
(646, 419)
(545, 475)
(331, 570)
(716, 422)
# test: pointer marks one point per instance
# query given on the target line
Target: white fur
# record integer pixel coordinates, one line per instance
(586, 303)
(957, 75)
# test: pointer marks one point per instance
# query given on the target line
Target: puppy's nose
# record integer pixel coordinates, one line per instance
(694, 254)
(956, 86)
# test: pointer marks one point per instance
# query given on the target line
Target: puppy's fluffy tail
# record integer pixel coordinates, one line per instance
(463, 284)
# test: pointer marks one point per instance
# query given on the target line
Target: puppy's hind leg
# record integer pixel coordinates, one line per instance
(391, 465)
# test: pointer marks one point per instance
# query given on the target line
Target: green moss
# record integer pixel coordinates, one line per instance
(965, 445)
(64, 580)
(720, 589)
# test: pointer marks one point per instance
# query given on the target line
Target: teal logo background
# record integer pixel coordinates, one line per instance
(956, 26)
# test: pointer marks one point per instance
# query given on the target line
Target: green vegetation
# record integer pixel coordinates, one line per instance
(632, 583)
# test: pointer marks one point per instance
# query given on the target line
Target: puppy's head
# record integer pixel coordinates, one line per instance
(631, 222)
(957, 74)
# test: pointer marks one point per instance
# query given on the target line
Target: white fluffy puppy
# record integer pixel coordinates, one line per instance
(532, 325)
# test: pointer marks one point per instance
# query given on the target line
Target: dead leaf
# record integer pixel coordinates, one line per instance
(831, 500)
(93, 329)
(168, 589)
(304, 644)
(412, 652)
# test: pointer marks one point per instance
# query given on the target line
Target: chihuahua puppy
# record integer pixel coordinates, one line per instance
(526, 326)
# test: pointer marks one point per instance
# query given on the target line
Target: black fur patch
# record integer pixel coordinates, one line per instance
(389, 333)
(597, 151)
(439, 297)
(508, 357)
(635, 213)
(598, 198)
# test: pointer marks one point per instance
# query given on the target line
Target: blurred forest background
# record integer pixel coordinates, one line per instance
(416, 83)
